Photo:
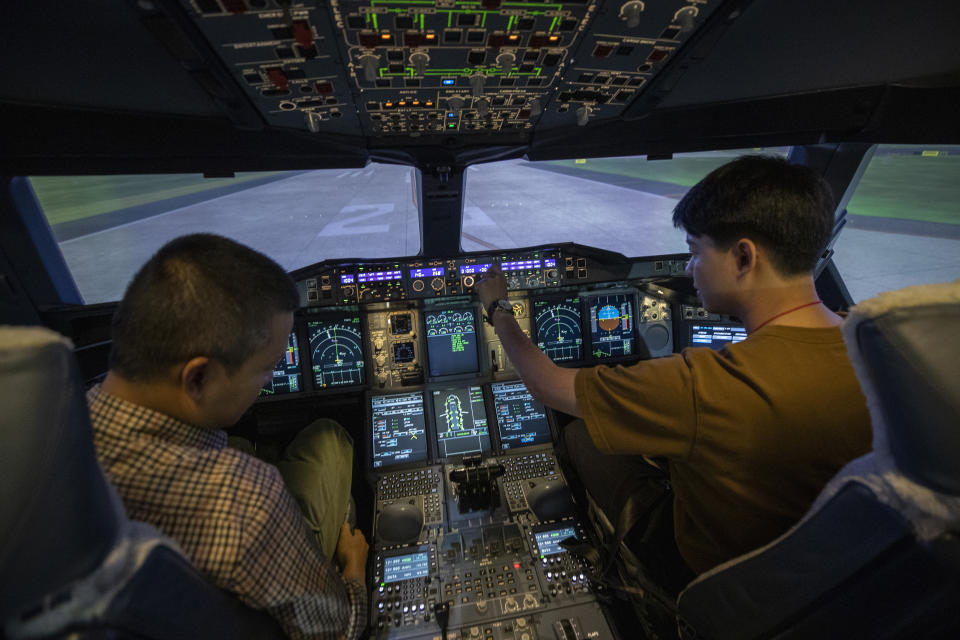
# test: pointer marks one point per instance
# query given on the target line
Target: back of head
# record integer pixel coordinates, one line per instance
(199, 295)
(785, 208)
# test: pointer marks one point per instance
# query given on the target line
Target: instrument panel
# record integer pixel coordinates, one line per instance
(395, 324)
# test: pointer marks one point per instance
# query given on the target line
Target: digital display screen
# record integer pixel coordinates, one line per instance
(430, 272)
(379, 276)
(549, 263)
(467, 269)
(286, 375)
(549, 541)
(336, 348)
(716, 335)
(347, 279)
(521, 420)
(451, 341)
(461, 421)
(403, 352)
(559, 329)
(398, 429)
(611, 326)
(408, 567)
(520, 265)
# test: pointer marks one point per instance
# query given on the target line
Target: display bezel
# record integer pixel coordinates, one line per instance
(426, 344)
(435, 422)
(688, 333)
(495, 432)
(428, 432)
(305, 380)
(556, 298)
(587, 298)
(336, 317)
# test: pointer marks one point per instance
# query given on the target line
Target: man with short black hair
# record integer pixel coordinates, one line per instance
(197, 335)
(752, 432)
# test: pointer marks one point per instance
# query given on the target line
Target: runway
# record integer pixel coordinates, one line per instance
(371, 213)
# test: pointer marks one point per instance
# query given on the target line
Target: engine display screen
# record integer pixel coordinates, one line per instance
(461, 421)
(398, 429)
(286, 375)
(336, 348)
(612, 326)
(406, 567)
(451, 341)
(521, 420)
(716, 335)
(549, 541)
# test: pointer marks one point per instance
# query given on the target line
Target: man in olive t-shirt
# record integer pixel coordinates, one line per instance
(753, 432)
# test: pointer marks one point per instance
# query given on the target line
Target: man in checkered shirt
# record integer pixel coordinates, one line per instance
(197, 335)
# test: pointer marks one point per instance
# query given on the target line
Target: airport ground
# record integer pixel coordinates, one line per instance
(904, 225)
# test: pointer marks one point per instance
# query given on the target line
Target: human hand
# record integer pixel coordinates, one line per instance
(351, 553)
(491, 287)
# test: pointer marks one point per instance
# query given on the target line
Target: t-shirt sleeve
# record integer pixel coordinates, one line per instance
(648, 408)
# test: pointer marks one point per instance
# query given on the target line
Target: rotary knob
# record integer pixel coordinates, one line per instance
(483, 107)
(436, 284)
(630, 12)
(477, 82)
(505, 61)
(455, 104)
(583, 115)
(417, 285)
(419, 60)
(536, 107)
(370, 64)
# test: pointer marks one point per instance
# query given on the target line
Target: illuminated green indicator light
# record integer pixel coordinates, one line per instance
(374, 17)
(452, 125)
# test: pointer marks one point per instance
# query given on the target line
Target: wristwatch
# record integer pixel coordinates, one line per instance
(499, 305)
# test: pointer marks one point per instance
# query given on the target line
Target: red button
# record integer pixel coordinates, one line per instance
(302, 33)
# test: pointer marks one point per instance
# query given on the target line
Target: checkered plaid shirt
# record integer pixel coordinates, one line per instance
(230, 512)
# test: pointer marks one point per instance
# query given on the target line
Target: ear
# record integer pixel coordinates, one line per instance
(745, 255)
(194, 377)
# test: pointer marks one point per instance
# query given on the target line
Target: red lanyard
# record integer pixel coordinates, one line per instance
(809, 304)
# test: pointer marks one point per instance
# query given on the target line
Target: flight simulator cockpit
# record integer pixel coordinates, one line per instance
(476, 526)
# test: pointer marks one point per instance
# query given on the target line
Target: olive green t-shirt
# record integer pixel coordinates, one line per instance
(752, 432)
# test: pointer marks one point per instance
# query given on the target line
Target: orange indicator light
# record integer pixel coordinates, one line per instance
(554, 38)
(388, 104)
(385, 36)
(429, 103)
(430, 36)
(402, 103)
(514, 37)
(416, 103)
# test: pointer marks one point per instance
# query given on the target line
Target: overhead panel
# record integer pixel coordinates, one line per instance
(409, 68)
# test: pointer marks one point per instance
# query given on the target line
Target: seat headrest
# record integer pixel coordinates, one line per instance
(905, 349)
(58, 510)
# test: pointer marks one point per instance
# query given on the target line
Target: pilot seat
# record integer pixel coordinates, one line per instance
(71, 563)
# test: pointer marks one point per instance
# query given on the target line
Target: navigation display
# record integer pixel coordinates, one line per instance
(336, 348)
(398, 429)
(451, 341)
(611, 326)
(461, 421)
(521, 420)
(559, 328)
(407, 567)
(549, 541)
(716, 335)
(286, 375)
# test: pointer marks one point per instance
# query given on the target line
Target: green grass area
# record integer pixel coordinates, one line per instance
(905, 186)
(68, 198)
(910, 187)
(682, 171)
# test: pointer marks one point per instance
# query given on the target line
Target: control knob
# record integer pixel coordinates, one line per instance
(685, 17)
(419, 61)
(630, 12)
(468, 281)
(583, 115)
(483, 107)
(436, 284)
(370, 63)
(455, 104)
(477, 82)
(536, 107)
(417, 285)
(505, 61)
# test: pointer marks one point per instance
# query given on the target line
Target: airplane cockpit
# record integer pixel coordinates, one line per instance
(388, 154)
